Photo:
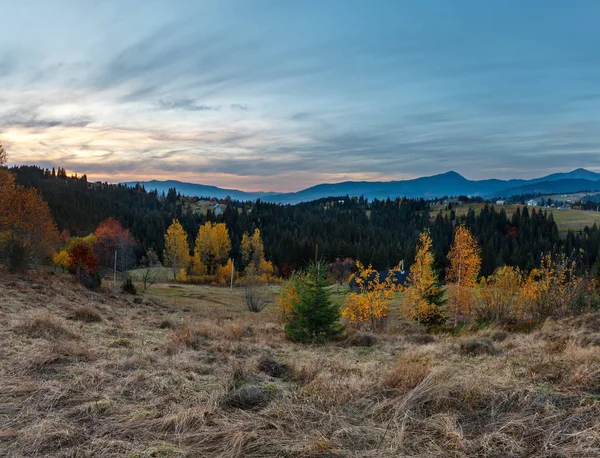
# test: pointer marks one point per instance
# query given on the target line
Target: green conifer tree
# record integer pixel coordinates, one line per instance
(314, 317)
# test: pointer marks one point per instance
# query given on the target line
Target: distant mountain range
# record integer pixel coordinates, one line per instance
(445, 184)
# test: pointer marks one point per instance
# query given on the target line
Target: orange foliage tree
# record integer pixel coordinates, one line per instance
(424, 296)
(82, 259)
(25, 219)
(369, 308)
(465, 263)
(111, 237)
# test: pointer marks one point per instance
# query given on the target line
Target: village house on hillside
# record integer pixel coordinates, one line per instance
(218, 209)
(500, 202)
(532, 203)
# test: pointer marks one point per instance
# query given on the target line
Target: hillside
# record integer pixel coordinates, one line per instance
(186, 371)
(445, 184)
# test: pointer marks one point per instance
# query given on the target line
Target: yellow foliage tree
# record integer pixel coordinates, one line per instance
(465, 263)
(288, 295)
(253, 253)
(369, 307)
(500, 295)
(61, 259)
(212, 246)
(552, 289)
(423, 295)
(177, 250)
(223, 273)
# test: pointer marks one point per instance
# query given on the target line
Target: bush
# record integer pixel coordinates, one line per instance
(90, 281)
(256, 299)
(17, 254)
(361, 339)
(128, 287)
(476, 347)
(87, 315)
(272, 367)
(248, 397)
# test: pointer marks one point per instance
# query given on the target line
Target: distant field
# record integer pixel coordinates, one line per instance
(565, 219)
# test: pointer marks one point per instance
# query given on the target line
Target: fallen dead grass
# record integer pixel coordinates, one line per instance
(191, 373)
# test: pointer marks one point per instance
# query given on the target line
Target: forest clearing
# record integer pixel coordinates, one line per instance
(566, 220)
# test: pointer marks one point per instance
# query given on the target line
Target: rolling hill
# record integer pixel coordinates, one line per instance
(445, 184)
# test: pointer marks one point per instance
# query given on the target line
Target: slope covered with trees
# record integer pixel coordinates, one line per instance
(375, 232)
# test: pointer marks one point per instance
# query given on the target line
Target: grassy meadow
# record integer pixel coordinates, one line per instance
(187, 371)
(566, 220)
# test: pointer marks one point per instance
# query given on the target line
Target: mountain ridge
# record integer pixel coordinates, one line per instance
(449, 183)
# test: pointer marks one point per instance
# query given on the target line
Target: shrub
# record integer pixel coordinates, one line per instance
(360, 339)
(476, 347)
(87, 315)
(369, 308)
(185, 337)
(90, 281)
(128, 286)
(272, 367)
(314, 317)
(256, 299)
(17, 255)
(248, 397)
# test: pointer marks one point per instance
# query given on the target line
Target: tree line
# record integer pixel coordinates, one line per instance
(378, 232)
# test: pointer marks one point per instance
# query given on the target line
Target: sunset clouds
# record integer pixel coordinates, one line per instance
(280, 95)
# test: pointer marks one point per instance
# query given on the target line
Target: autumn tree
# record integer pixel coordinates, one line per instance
(424, 296)
(61, 259)
(340, 270)
(83, 259)
(464, 265)
(177, 250)
(499, 295)
(289, 293)
(27, 230)
(369, 307)
(253, 255)
(3, 156)
(111, 237)
(212, 246)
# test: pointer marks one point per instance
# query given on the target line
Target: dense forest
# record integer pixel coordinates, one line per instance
(375, 232)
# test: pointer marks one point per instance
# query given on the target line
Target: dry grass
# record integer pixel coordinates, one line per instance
(188, 371)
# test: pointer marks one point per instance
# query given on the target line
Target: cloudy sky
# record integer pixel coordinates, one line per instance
(281, 95)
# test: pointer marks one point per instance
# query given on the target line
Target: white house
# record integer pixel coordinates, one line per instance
(500, 202)
(532, 203)
(217, 209)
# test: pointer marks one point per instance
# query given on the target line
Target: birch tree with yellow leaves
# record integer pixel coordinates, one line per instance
(465, 263)
(424, 296)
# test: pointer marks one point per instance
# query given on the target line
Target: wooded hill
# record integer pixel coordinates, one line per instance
(378, 232)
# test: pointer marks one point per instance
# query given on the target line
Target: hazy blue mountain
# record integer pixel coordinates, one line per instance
(199, 190)
(556, 187)
(445, 184)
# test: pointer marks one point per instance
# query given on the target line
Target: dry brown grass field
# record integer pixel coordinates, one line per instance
(187, 371)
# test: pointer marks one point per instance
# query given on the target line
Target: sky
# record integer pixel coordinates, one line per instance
(282, 95)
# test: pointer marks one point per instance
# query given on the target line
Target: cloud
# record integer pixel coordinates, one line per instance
(185, 104)
(197, 92)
